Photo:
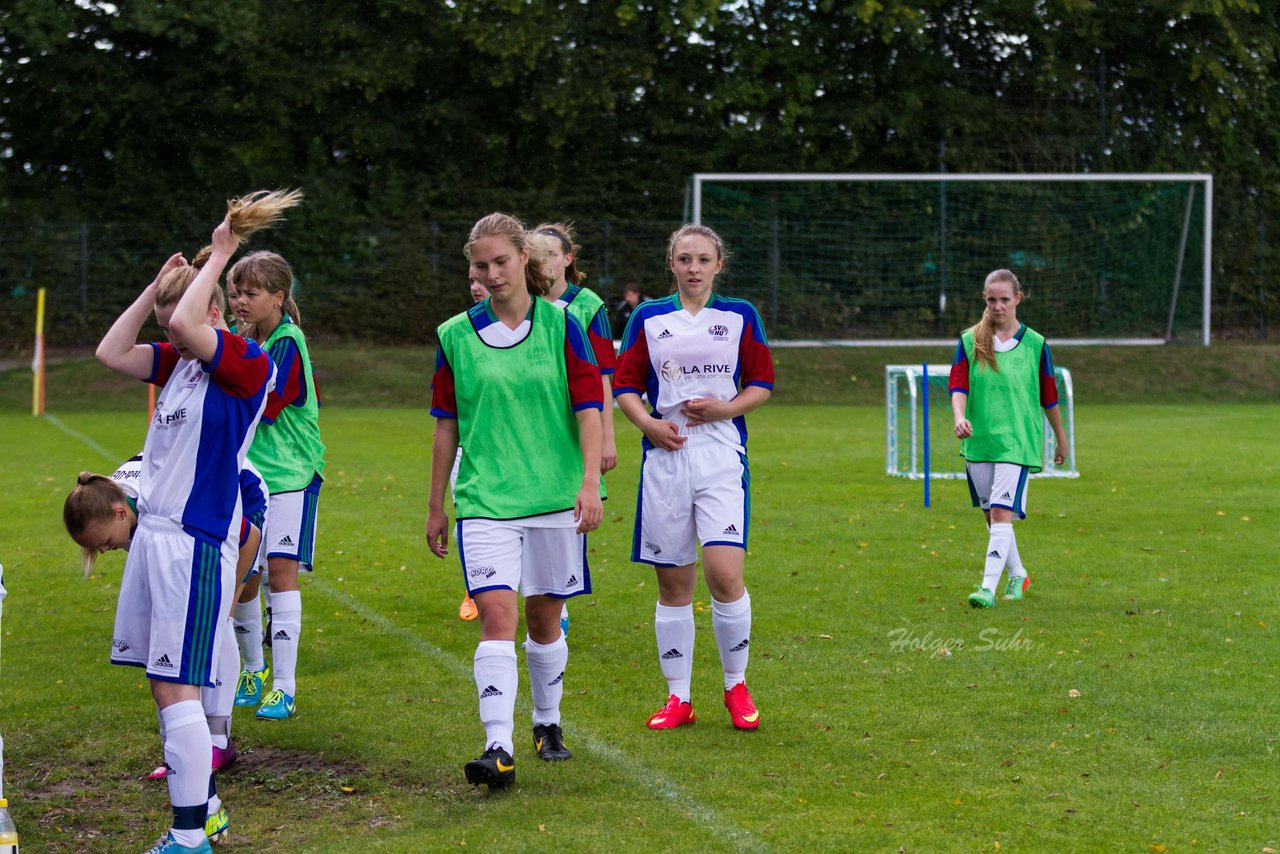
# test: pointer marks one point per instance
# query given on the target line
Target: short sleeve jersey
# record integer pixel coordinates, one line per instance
(585, 305)
(200, 434)
(1006, 406)
(515, 394)
(674, 356)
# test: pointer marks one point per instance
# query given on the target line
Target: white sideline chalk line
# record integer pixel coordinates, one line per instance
(646, 777)
(82, 437)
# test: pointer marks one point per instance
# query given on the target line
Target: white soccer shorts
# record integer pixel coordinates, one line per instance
(291, 524)
(536, 556)
(173, 603)
(998, 485)
(698, 494)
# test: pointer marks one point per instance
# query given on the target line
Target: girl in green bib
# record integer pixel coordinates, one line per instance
(288, 452)
(1002, 379)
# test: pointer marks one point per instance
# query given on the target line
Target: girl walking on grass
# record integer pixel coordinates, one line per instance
(1002, 380)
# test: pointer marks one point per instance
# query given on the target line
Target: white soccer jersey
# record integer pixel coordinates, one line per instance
(203, 424)
(128, 475)
(675, 356)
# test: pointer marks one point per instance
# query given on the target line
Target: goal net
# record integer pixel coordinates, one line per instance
(919, 432)
(852, 258)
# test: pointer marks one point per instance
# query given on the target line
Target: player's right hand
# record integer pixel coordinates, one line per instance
(437, 532)
(963, 428)
(664, 434)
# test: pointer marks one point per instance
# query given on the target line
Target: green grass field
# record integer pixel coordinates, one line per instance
(1130, 702)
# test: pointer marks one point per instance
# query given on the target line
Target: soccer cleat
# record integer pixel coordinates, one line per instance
(277, 706)
(742, 710)
(168, 845)
(1016, 586)
(467, 610)
(160, 773)
(548, 740)
(982, 598)
(224, 758)
(675, 713)
(217, 825)
(495, 768)
(249, 686)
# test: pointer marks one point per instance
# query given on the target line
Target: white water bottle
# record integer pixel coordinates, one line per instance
(8, 832)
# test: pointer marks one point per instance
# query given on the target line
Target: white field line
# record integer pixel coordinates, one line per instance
(83, 438)
(624, 763)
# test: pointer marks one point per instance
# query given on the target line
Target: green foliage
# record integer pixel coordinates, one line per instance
(394, 115)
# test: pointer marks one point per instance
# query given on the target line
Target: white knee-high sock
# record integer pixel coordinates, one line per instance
(997, 554)
(286, 626)
(546, 677)
(1014, 563)
(674, 629)
(219, 700)
(731, 622)
(497, 677)
(187, 751)
(248, 623)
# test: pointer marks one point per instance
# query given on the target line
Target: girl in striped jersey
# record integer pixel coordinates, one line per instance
(516, 383)
(690, 352)
(1002, 379)
(288, 451)
(182, 559)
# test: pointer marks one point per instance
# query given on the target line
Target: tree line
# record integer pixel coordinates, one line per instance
(125, 124)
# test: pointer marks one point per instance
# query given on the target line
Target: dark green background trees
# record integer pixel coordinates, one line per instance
(405, 120)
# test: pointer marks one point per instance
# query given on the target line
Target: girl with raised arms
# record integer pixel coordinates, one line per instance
(690, 352)
(517, 384)
(182, 557)
(1002, 388)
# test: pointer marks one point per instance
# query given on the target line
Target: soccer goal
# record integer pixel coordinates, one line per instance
(850, 259)
(920, 438)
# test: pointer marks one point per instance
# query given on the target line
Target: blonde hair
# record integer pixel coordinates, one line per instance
(564, 232)
(271, 273)
(984, 332)
(536, 277)
(248, 214)
(693, 229)
(93, 499)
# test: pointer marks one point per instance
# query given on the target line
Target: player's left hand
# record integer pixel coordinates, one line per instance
(587, 509)
(704, 410)
(224, 239)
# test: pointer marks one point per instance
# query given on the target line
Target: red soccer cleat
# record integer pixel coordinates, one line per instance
(675, 713)
(742, 711)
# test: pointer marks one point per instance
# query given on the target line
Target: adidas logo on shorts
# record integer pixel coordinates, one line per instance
(572, 582)
(490, 692)
(281, 635)
(672, 654)
(994, 553)
(666, 333)
(740, 647)
(286, 540)
(241, 630)
(557, 680)
(1006, 497)
(732, 530)
(163, 661)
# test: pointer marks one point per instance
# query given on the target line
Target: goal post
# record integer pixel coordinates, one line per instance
(920, 441)
(851, 258)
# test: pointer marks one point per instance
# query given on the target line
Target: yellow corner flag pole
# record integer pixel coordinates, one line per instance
(37, 363)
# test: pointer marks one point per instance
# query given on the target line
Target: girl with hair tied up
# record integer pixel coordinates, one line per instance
(101, 515)
(288, 451)
(516, 382)
(182, 557)
(1002, 379)
(690, 352)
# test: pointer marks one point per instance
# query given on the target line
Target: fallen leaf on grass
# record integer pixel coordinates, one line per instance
(825, 637)
(1073, 693)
